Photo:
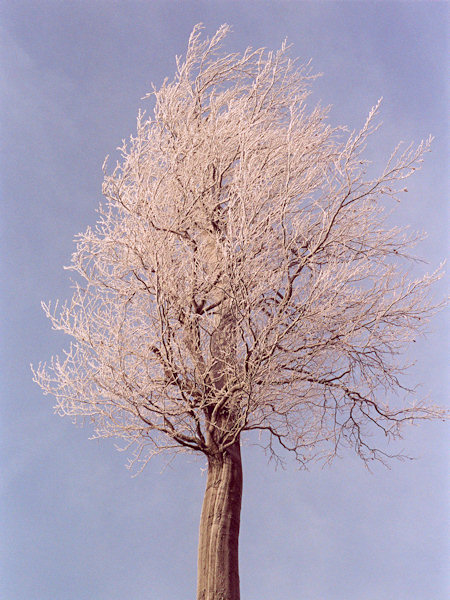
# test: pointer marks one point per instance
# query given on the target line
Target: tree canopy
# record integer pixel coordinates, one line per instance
(242, 275)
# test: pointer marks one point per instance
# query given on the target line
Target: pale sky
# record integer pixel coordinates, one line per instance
(75, 524)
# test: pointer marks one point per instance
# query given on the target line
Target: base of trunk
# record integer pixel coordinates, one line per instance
(218, 558)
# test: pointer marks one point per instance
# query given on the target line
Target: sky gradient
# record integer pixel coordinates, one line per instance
(74, 524)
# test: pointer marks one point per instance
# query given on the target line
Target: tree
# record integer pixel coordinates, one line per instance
(241, 277)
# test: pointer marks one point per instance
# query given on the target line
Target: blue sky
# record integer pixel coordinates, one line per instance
(75, 525)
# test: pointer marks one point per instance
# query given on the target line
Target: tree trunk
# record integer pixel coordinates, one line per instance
(218, 562)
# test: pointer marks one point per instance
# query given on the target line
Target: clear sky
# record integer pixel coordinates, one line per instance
(75, 525)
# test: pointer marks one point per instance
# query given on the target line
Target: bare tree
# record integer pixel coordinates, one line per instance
(241, 277)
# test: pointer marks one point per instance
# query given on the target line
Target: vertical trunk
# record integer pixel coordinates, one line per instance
(218, 564)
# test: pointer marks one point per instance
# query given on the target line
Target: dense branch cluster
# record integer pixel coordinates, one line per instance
(241, 275)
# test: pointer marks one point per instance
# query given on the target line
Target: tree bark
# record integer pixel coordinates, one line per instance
(218, 559)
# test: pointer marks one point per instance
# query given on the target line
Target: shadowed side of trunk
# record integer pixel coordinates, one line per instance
(218, 559)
